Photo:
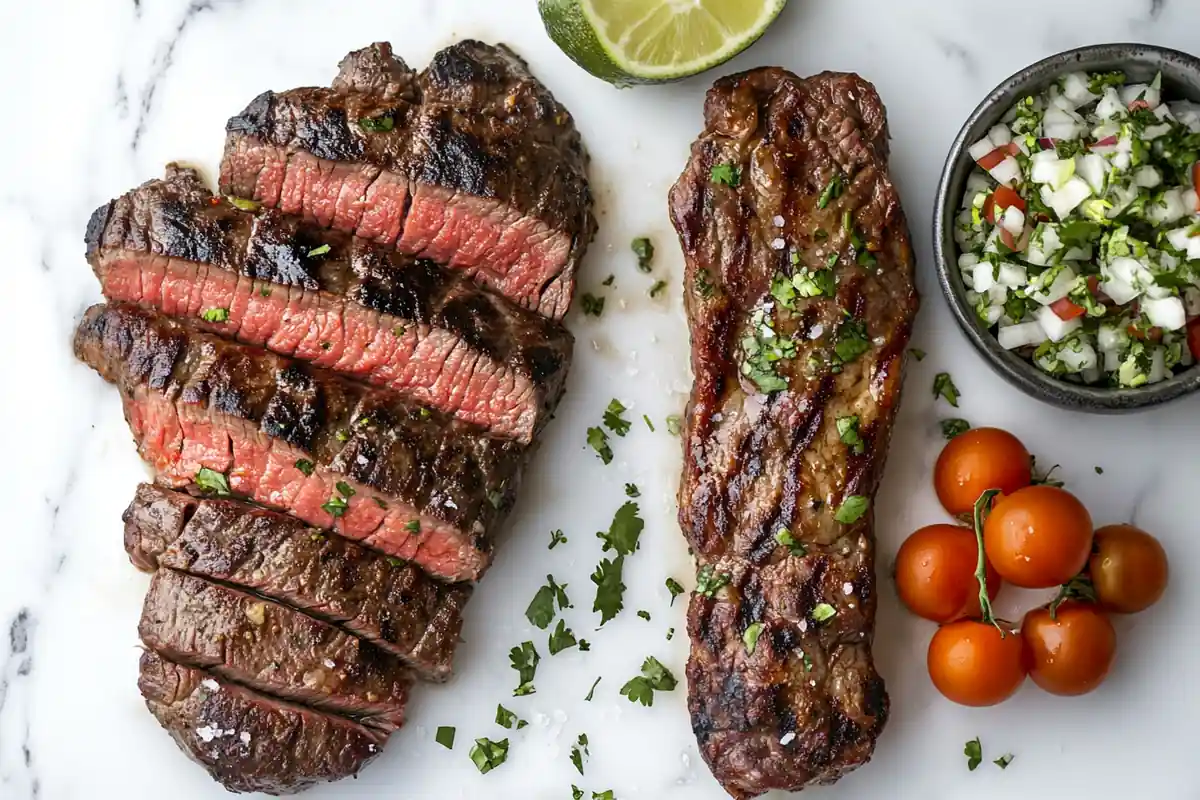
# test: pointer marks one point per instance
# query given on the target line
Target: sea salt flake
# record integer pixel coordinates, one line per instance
(245, 737)
(788, 738)
(778, 244)
(329, 663)
(847, 588)
(817, 331)
(803, 626)
(778, 221)
(211, 685)
(207, 733)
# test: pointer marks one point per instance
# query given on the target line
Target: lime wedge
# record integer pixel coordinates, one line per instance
(651, 41)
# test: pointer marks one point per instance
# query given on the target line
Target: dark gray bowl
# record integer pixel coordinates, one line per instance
(1181, 80)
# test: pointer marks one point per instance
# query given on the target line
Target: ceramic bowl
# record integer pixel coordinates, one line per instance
(1181, 80)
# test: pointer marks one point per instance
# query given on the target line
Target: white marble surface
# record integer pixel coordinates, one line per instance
(98, 94)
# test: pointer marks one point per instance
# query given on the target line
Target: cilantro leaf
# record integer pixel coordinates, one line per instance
(613, 420)
(643, 248)
(579, 751)
(624, 531)
(917, 353)
(215, 315)
(654, 677)
(675, 588)
(726, 174)
(487, 755)
(445, 737)
(540, 612)
(524, 659)
(561, 639)
(708, 583)
(943, 386)
(1003, 761)
(823, 612)
(592, 306)
(750, 637)
(507, 719)
(556, 538)
(954, 427)
(631, 490)
(305, 466)
(209, 480)
(852, 510)
(847, 428)
(597, 439)
(610, 591)
(785, 538)
(974, 753)
(319, 251)
(381, 124)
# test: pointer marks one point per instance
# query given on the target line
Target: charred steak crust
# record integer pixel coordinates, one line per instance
(249, 742)
(273, 649)
(392, 604)
(413, 483)
(808, 182)
(472, 163)
(332, 299)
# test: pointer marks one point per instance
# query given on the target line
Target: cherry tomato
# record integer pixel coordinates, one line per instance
(935, 573)
(978, 460)
(971, 663)
(1006, 197)
(1038, 537)
(1129, 569)
(1067, 310)
(1071, 653)
(1193, 337)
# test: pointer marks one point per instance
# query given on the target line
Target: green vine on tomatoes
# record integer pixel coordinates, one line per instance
(985, 603)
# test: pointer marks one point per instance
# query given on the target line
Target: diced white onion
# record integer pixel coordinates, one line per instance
(967, 260)
(1078, 254)
(1075, 89)
(993, 314)
(1059, 123)
(1120, 291)
(1169, 210)
(1006, 171)
(1024, 334)
(1109, 337)
(981, 148)
(1191, 301)
(1068, 198)
(981, 277)
(1147, 178)
(977, 182)
(1110, 104)
(1188, 114)
(1057, 290)
(997, 293)
(1078, 360)
(1013, 220)
(1056, 327)
(1093, 169)
(1000, 135)
(1013, 275)
(1112, 360)
(1155, 131)
(1158, 367)
(1167, 312)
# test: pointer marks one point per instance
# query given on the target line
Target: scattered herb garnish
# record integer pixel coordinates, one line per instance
(1099, 470)
(675, 588)
(413, 526)
(607, 794)
(654, 677)
(624, 530)
(540, 612)
(804, 659)
(703, 283)
(823, 612)
(644, 614)
(319, 251)
(847, 428)
(215, 315)
(613, 419)
(852, 341)
(609, 281)
(597, 439)
(487, 754)
(853, 507)
(524, 659)
(344, 489)
(643, 248)
(657, 288)
(556, 538)
(507, 719)
(673, 424)
(954, 427)
(708, 583)
(631, 490)
(974, 753)
(562, 638)
(335, 506)
(919, 355)
(649, 424)
(785, 538)
(610, 591)
(381, 124)
(592, 692)
(242, 204)
(209, 480)
(1003, 761)
(265, 291)
(832, 191)
(445, 737)
(750, 637)
(579, 751)
(726, 174)
(592, 306)
(326, 345)
(943, 386)
(670, 634)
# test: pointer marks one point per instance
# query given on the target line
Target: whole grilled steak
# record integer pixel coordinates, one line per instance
(412, 483)
(331, 299)
(250, 742)
(800, 298)
(390, 603)
(472, 163)
(273, 649)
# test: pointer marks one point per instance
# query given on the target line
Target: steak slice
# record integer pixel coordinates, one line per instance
(249, 742)
(800, 299)
(273, 649)
(473, 163)
(390, 603)
(331, 299)
(412, 483)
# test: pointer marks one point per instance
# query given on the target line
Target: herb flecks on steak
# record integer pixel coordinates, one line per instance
(471, 163)
(800, 297)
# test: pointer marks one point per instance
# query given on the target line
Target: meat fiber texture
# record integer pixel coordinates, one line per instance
(800, 299)
(471, 163)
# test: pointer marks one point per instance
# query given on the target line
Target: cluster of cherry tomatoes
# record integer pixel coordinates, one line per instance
(1031, 535)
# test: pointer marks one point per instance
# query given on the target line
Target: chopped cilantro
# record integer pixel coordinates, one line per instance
(579, 752)
(785, 538)
(919, 355)
(831, 192)
(1099, 470)
(242, 204)
(954, 427)
(592, 306)
(413, 526)
(524, 659)
(445, 737)
(610, 591)
(344, 489)
(644, 614)
(609, 281)
(624, 530)
(853, 507)
(674, 425)
(631, 490)
(974, 753)
(708, 583)
(649, 424)
(750, 637)
(597, 439)
(486, 754)
(643, 248)
(1003, 761)
(943, 386)
(507, 719)
(381, 124)
(319, 251)
(556, 538)
(209, 480)
(540, 612)
(561, 638)
(657, 288)
(823, 612)
(215, 315)
(335, 506)
(670, 634)
(847, 428)
(675, 588)
(852, 341)
(726, 174)
(654, 677)
(265, 291)
(613, 419)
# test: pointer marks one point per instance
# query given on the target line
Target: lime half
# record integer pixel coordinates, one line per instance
(651, 41)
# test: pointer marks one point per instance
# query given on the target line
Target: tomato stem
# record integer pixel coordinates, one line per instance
(985, 602)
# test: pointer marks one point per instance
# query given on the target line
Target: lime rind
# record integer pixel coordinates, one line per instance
(648, 46)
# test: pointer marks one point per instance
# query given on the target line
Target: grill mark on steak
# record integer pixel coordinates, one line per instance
(273, 649)
(481, 168)
(426, 488)
(806, 705)
(247, 741)
(394, 321)
(392, 604)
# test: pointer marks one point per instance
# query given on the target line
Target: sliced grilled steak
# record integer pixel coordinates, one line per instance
(407, 481)
(472, 163)
(333, 300)
(800, 298)
(247, 741)
(391, 603)
(273, 649)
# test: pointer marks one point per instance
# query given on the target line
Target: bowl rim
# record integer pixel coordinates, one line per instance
(1016, 370)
